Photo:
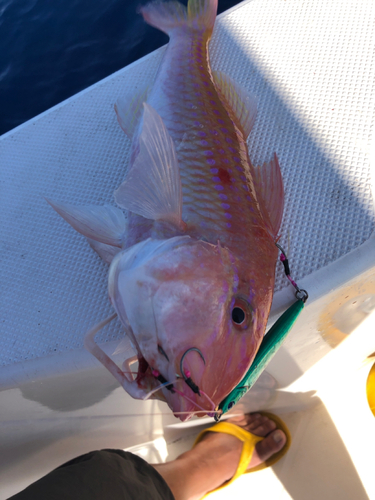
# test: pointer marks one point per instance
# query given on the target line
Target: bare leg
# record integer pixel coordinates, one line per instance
(214, 460)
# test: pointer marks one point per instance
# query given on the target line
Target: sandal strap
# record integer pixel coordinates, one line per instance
(249, 441)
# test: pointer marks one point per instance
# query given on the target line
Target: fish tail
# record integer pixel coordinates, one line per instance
(202, 13)
(167, 16)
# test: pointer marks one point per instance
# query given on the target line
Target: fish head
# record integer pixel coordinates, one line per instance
(195, 322)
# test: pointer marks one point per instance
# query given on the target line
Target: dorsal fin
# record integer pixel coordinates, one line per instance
(241, 102)
(270, 190)
(152, 187)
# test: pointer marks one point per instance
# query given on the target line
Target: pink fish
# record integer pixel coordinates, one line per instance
(193, 266)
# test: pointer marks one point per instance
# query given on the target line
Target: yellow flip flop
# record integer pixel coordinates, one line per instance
(249, 441)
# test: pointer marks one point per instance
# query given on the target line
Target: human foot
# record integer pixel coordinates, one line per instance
(262, 426)
(214, 460)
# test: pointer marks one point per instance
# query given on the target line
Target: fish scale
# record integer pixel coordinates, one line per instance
(212, 157)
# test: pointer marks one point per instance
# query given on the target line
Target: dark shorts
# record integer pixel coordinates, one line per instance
(105, 474)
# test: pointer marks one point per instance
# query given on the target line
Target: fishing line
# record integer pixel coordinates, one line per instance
(159, 387)
(209, 399)
(192, 412)
(191, 401)
(99, 417)
(300, 293)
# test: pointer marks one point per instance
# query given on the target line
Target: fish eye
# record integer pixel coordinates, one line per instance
(238, 315)
(241, 314)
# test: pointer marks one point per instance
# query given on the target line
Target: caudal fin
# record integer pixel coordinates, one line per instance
(166, 16)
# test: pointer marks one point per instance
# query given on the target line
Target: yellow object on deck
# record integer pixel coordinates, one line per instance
(370, 389)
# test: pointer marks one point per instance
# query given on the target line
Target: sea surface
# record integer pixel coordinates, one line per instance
(52, 49)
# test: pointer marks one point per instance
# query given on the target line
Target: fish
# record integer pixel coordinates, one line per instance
(191, 242)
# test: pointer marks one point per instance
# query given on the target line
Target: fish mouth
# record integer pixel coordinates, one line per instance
(183, 399)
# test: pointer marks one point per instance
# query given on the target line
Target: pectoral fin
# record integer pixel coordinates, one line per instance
(105, 252)
(241, 102)
(129, 108)
(270, 190)
(152, 187)
(104, 224)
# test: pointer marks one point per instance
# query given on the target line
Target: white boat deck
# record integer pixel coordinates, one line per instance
(312, 67)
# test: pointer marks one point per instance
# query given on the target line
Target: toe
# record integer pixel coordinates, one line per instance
(253, 420)
(252, 417)
(264, 428)
(260, 425)
(270, 445)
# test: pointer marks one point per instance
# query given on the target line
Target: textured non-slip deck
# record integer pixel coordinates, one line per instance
(312, 67)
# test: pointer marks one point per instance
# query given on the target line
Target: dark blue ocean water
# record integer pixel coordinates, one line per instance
(52, 49)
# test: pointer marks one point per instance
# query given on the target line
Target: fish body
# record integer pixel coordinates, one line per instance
(192, 271)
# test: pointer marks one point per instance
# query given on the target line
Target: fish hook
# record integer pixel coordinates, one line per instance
(186, 375)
